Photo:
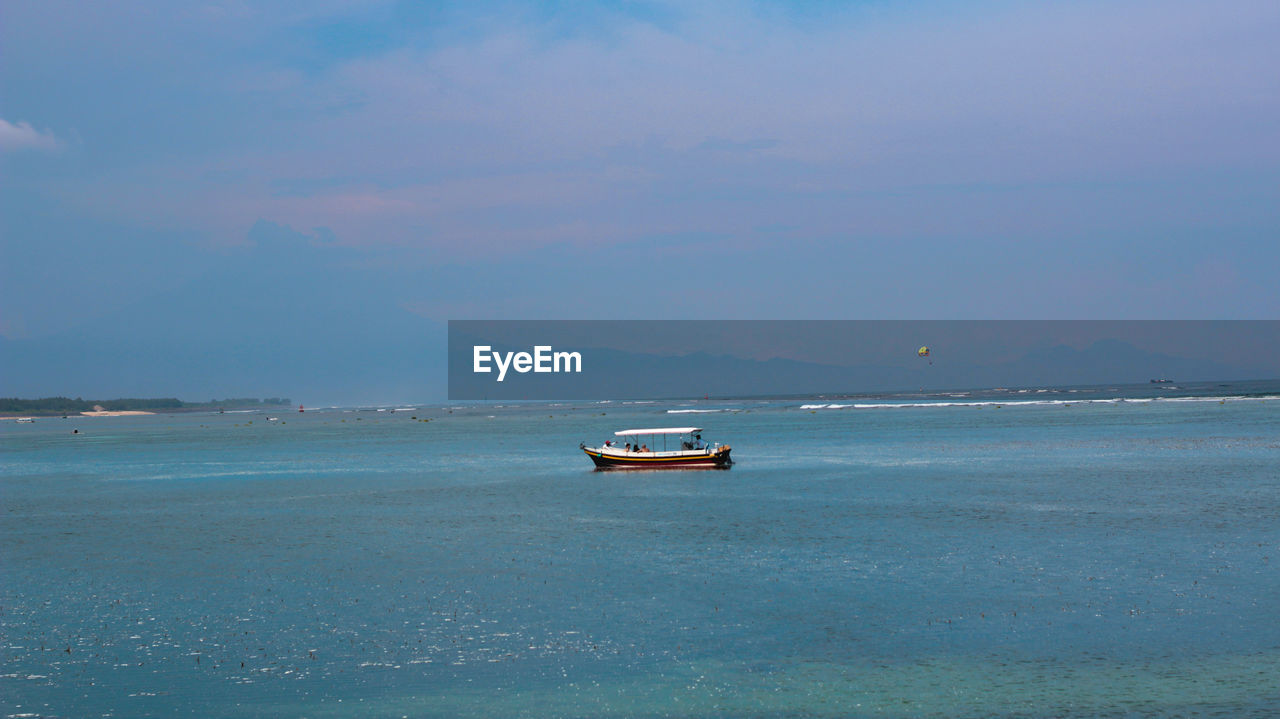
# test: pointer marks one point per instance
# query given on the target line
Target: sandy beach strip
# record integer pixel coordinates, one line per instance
(92, 413)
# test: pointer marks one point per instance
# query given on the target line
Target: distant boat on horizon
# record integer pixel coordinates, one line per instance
(1162, 381)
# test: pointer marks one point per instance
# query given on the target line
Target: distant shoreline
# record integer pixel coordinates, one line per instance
(90, 413)
(15, 407)
(46, 414)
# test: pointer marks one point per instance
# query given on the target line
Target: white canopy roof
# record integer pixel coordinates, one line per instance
(663, 430)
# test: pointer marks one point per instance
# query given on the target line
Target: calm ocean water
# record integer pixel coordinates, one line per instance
(970, 554)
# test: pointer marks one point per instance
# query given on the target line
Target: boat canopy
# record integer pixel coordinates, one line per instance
(661, 430)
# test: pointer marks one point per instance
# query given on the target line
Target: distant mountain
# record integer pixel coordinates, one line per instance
(1112, 360)
(612, 373)
(335, 331)
(255, 323)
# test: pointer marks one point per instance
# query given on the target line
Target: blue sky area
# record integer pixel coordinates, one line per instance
(231, 198)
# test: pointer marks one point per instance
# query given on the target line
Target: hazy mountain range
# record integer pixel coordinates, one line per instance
(264, 321)
(614, 373)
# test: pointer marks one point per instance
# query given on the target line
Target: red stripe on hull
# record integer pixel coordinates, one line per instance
(715, 461)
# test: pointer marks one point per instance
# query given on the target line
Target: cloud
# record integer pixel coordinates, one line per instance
(1113, 137)
(22, 136)
(635, 126)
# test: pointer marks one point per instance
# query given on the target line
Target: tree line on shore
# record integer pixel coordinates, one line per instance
(65, 405)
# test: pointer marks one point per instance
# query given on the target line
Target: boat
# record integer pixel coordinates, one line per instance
(1161, 381)
(660, 448)
(25, 420)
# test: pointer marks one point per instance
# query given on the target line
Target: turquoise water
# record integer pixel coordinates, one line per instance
(990, 554)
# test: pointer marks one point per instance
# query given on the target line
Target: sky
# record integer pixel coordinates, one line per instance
(222, 198)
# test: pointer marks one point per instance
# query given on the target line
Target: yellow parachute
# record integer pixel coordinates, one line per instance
(924, 352)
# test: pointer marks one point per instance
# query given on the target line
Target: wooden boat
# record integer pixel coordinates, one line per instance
(661, 448)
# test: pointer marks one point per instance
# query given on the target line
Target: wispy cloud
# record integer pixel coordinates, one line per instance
(941, 146)
(728, 111)
(22, 136)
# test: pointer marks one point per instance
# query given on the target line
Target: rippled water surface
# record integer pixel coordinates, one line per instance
(1074, 557)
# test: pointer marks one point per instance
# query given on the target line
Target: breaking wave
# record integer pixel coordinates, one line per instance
(1039, 402)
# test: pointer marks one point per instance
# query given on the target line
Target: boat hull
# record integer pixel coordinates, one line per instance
(642, 460)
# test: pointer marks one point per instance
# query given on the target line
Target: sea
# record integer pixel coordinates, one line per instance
(1109, 551)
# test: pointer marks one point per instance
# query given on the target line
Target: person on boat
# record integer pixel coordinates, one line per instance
(698, 444)
(644, 448)
(628, 446)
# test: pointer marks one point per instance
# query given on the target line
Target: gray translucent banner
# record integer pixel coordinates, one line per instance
(658, 359)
